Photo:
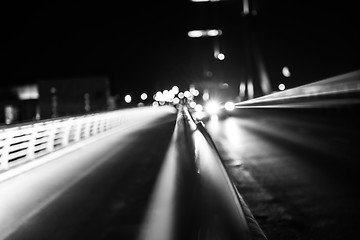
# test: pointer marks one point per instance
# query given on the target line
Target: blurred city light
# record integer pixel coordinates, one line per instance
(206, 95)
(242, 90)
(213, 32)
(176, 100)
(229, 106)
(198, 108)
(281, 87)
(187, 94)
(250, 88)
(192, 104)
(128, 99)
(221, 56)
(286, 72)
(175, 89)
(212, 107)
(143, 96)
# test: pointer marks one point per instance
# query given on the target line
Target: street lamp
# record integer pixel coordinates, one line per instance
(204, 33)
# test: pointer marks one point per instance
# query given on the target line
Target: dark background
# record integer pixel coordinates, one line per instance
(143, 45)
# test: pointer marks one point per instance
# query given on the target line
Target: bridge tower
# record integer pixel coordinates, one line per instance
(254, 81)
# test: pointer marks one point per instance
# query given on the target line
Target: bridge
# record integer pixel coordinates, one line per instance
(160, 173)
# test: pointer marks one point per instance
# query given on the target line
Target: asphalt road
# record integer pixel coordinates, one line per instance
(296, 169)
(100, 191)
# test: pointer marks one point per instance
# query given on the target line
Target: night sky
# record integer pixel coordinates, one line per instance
(143, 45)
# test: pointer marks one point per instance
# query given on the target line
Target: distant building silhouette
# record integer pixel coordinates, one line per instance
(63, 97)
(50, 98)
(18, 103)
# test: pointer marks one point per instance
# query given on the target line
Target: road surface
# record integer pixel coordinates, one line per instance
(296, 169)
(99, 191)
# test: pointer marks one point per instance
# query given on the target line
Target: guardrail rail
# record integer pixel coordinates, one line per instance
(194, 197)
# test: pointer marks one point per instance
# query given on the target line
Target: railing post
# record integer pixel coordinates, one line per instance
(4, 159)
(66, 132)
(31, 145)
(78, 125)
(95, 126)
(87, 124)
(51, 137)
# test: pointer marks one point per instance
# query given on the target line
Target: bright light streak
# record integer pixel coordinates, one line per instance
(128, 99)
(229, 106)
(143, 96)
(160, 218)
(212, 107)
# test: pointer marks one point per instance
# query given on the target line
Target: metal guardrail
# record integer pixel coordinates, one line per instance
(194, 197)
(229, 218)
(26, 142)
(335, 91)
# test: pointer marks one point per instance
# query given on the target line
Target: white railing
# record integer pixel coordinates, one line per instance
(29, 141)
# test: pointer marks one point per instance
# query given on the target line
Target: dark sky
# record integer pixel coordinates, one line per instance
(143, 45)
